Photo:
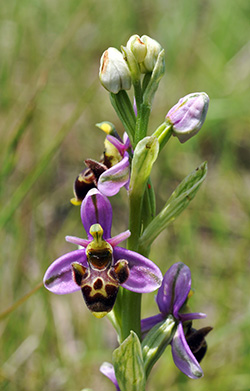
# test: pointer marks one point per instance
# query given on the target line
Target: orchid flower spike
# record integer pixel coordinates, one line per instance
(111, 173)
(100, 267)
(171, 299)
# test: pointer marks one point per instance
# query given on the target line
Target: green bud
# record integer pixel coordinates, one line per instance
(156, 341)
(114, 73)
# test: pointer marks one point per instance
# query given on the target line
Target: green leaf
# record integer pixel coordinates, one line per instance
(178, 201)
(156, 341)
(125, 112)
(128, 364)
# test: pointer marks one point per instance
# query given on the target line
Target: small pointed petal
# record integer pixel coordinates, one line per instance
(174, 290)
(144, 275)
(119, 238)
(58, 277)
(148, 323)
(192, 316)
(183, 357)
(78, 241)
(117, 143)
(115, 177)
(126, 141)
(108, 370)
(96, 208)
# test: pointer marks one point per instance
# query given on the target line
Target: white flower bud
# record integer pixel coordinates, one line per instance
(114, 73)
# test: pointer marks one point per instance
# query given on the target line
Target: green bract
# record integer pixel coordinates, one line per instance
(156, 341)
(128, 364)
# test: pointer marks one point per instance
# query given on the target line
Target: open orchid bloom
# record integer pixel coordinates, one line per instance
(108, 175)
(100, 267)
(108, 370)
(171, 299)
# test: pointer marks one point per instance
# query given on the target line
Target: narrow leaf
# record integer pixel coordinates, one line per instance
(178, 201)
(125, 111)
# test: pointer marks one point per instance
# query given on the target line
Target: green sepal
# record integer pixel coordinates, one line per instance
(132, 64)
(178, 201)
(156, 341)
(145, 155)
(156, 76)
(125, 112)
(128, 364)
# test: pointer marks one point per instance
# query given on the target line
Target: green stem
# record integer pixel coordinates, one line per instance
(142, 122)
(131, 314)
(163, 133)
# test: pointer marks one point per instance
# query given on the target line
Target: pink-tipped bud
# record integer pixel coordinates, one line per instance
(114, 73)
(188, 115)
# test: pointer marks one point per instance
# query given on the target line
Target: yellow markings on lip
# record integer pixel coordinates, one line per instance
(75, 201)
(99, 315)
(98, 286)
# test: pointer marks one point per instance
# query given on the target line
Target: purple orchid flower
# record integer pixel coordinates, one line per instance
(110, 174)
(100, 267)
(108, 370)
(170, 299)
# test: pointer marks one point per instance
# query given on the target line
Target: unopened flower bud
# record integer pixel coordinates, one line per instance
(188, 115)
(137, 47)
(114, 73)
(153, 50)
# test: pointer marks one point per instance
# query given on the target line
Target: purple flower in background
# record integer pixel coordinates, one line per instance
(170, 299)
(100, 267)
(108, 370)
(111, 173)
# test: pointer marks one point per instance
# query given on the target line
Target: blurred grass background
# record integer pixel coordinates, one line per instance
(50, 100)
